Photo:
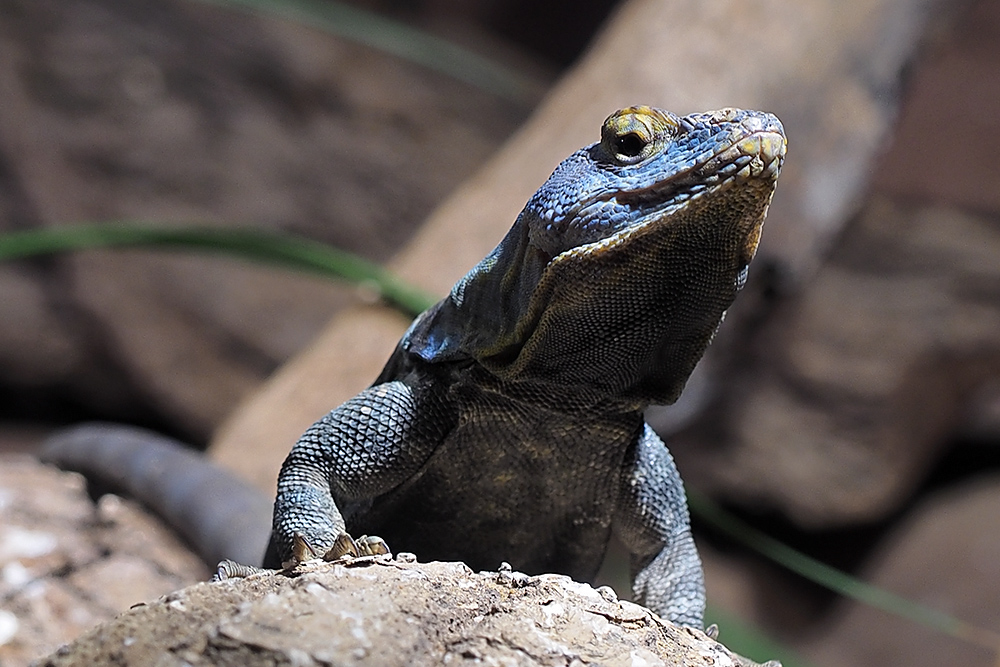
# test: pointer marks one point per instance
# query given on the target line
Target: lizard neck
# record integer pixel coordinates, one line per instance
(485, 314)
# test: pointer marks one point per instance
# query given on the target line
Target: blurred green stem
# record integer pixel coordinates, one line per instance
(270, 247)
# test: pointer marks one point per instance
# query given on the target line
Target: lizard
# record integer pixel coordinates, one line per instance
(508, 422)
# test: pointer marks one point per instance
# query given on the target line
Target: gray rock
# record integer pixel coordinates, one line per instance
(387, 612)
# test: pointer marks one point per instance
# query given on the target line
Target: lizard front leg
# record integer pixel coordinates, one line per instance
(364, 448)
(652, 521)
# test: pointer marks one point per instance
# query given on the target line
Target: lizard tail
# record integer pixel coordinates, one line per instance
(220, 515)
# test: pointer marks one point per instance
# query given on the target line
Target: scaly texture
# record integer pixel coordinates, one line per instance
(508, 423)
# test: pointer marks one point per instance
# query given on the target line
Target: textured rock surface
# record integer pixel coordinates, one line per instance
(392, 613)
(66, 564)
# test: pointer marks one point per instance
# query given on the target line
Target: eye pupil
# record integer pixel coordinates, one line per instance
(630, 145)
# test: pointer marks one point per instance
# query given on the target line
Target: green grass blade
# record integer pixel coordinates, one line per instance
(403, 41)
(271, 247)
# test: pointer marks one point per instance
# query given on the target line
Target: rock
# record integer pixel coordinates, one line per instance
(391, 612)
(67, 565)
(953, 85)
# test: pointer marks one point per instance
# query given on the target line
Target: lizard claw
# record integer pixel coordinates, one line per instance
(372, 545)
(365, 545)
(344, 545)
(301, 552)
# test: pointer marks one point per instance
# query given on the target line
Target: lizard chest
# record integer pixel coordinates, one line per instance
(510, 482)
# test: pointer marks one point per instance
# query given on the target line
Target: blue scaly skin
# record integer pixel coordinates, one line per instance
(507, 425)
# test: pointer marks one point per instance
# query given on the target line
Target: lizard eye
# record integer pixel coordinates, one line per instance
(631, 135)
(630, 145)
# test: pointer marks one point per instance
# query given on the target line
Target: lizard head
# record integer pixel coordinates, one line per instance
(620, 268)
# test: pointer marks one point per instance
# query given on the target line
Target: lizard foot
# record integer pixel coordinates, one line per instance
(344, 545)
